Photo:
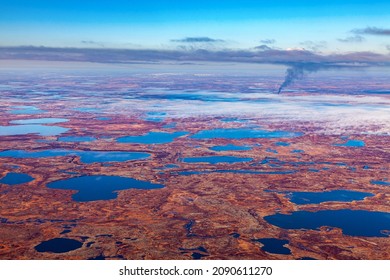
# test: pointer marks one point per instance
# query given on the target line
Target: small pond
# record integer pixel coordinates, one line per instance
(58, 245)
(274, 245)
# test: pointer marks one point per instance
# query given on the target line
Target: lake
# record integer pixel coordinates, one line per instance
(282, 144)
(379, 182)
(39, 121)
(42, 130)
(274, 245)
(26, 110)
(16, 178)
(58, 245)
(352, 222)
(155, 116)
(152, 138)
(242, 133)
(352, 143)
(100, 187)
(230, 147)
(335, 195)
(85, 156)
(76, 139)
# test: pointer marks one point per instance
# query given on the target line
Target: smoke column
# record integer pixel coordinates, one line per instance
(293, 73)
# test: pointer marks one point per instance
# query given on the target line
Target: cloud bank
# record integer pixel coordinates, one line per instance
(263, 48)
(261, 54)
(314, 45)
(373, 31)
(268, 41)
(299, 61)
(197, 40)
(352, 39)
(92, 43)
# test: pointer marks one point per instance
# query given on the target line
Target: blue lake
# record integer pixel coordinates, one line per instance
(269, 150)
(378, 182)
(88, 110)
(58, 245)
(26, 110)
(216, 159)
(155, 116)
(241, 133)
(152, 138)
(171, 166)
(352, 143)
(233, 120)
(76, 139)
(39, 121)
(274, 245)
(16, 178)
(272, 160)
(235, 235)
(318, 197)
(206, 97)
(198, 256)
(100, 187)
(282, 144)
(297, 151)
(85, 156)
(352, 222)
(230, 147)
(42, 130)
(170, 125)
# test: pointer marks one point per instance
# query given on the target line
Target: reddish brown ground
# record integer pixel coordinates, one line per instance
(191, 211)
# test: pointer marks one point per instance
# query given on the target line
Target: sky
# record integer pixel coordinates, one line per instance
(322, 27)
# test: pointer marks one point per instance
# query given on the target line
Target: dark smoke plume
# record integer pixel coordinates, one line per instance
(292, 74)
(298, 71)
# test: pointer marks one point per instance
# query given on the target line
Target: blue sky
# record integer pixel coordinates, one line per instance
(320, 26)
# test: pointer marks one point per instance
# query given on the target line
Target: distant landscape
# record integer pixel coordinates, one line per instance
(195, 131)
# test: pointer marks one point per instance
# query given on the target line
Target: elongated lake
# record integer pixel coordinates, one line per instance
(42, 130)
(335, 195)
(39, 121)
(152, 138)
(76, 139)
(352, 222)
(241, 133)
(100, 187)
(230, 147)
(85, 156)
(352, 143)
(58, 245)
